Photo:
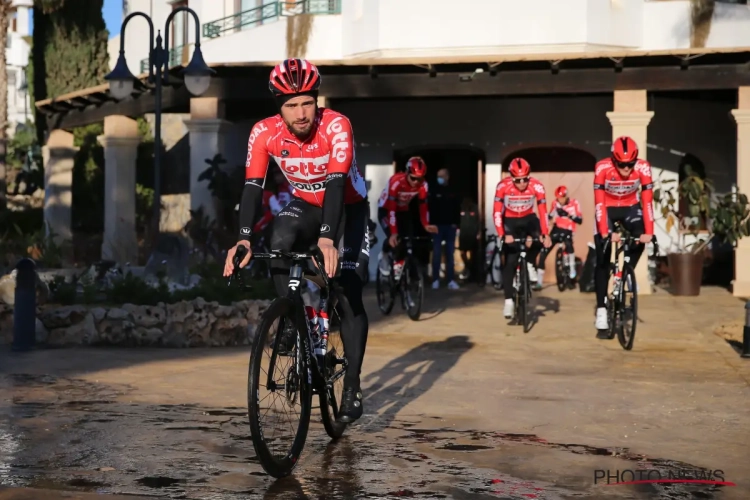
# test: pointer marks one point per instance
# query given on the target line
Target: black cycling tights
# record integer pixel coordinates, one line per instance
(603, 261)
(296, 228)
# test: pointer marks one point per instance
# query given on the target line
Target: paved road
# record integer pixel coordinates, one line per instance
(458, 405)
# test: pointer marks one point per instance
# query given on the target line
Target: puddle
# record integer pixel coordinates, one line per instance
(58, 433)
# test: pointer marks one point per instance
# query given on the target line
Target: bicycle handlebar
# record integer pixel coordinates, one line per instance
(315, 254)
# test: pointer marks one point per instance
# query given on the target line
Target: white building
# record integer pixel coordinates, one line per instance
(17, 57)
(468, 85)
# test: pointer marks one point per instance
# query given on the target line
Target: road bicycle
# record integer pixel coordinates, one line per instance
(562, 263)
(522, 285)
(622, 302)
(408, 285)
(292, 360)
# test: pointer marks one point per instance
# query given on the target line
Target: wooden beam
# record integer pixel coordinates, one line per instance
(173, 100)
(530, 82)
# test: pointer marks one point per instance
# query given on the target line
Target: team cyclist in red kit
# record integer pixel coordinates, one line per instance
(314, 148)
(514, 218)
(565, 214)
(394, 213)
(623, 192)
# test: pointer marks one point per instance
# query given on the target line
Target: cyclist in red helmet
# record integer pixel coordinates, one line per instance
(565, 214)
(514, 217)
(394, 216)
(623, 192)
(314, 148)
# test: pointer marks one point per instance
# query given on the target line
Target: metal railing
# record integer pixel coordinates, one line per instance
(269, 12)
(175, 57)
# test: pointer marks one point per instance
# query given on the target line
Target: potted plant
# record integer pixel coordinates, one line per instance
(726, 219)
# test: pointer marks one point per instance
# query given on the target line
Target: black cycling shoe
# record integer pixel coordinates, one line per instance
(351, 405)
(288, 340)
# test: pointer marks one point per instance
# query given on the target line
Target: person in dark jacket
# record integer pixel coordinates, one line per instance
(445, 213)
(468, 235)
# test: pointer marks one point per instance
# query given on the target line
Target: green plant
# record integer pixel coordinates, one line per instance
(727, 217)
(62, 292)
(225, 186)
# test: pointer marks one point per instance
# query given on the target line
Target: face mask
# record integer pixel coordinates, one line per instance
(441, 181)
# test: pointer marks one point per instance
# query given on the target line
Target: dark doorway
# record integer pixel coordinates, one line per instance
(461, 162)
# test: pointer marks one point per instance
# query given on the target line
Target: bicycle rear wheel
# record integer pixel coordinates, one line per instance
(331, 396)
(274, 379)
(414, 288)
(628, 309)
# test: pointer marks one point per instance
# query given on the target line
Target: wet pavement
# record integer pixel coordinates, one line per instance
(458, 405)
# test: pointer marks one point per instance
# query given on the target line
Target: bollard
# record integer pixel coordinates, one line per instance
(24, 311)
(746, 332)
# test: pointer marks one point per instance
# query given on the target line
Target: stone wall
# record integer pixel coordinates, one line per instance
(183, 324)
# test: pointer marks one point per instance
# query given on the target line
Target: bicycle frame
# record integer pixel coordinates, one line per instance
(296, 275)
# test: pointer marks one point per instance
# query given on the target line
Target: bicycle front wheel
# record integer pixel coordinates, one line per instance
(628, 309)
(414, 285)
(384, 291)
(526, 294)
(496, 269)
(560, 273)
(278, 389)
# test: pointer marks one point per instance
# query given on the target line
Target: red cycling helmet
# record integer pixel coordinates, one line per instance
(416, 167)
(294, 76)
(624, 151)
(519, 167)
(561, 192)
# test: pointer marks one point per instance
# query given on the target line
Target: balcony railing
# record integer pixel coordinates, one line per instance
(269, 12)
(175, 57)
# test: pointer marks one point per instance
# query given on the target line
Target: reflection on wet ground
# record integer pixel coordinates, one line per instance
(67, 434)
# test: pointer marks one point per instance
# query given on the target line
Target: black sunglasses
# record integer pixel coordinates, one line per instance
(621, 164)
(519, 180)
(415, 179)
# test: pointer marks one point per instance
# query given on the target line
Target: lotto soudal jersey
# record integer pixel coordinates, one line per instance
(511, 202)
(329, 149)
(612, 189)
(572, 208)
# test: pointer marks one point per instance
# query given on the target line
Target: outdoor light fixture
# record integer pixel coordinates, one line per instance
(196, 76)
(468, 78)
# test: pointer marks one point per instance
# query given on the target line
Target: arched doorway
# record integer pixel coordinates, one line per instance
(466, 167)
(574, 168)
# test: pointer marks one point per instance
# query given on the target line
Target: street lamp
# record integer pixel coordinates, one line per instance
(196, 75)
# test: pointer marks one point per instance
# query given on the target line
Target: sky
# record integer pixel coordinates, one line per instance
(112, 12)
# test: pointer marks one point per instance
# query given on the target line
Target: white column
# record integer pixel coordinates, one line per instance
(741, 287)
(207, 137)
(323, 102)
(376, 177)
(631, 117)
(59, 156)
(119, 242)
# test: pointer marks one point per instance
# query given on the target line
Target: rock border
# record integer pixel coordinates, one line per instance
(195, 323)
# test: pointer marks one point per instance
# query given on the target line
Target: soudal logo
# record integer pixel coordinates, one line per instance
(310, 187)
(257, 130)
(519, 203)
(621, 188)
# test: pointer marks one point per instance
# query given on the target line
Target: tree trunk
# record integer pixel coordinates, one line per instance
(5, 13)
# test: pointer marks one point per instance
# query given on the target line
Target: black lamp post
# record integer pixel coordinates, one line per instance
(197, 77)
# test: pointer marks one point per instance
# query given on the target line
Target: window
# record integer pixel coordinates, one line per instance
(11, 77)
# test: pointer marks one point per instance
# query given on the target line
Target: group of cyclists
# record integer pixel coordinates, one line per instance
(314, 150)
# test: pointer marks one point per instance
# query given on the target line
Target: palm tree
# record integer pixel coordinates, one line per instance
(6, 11)
(701, 13)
